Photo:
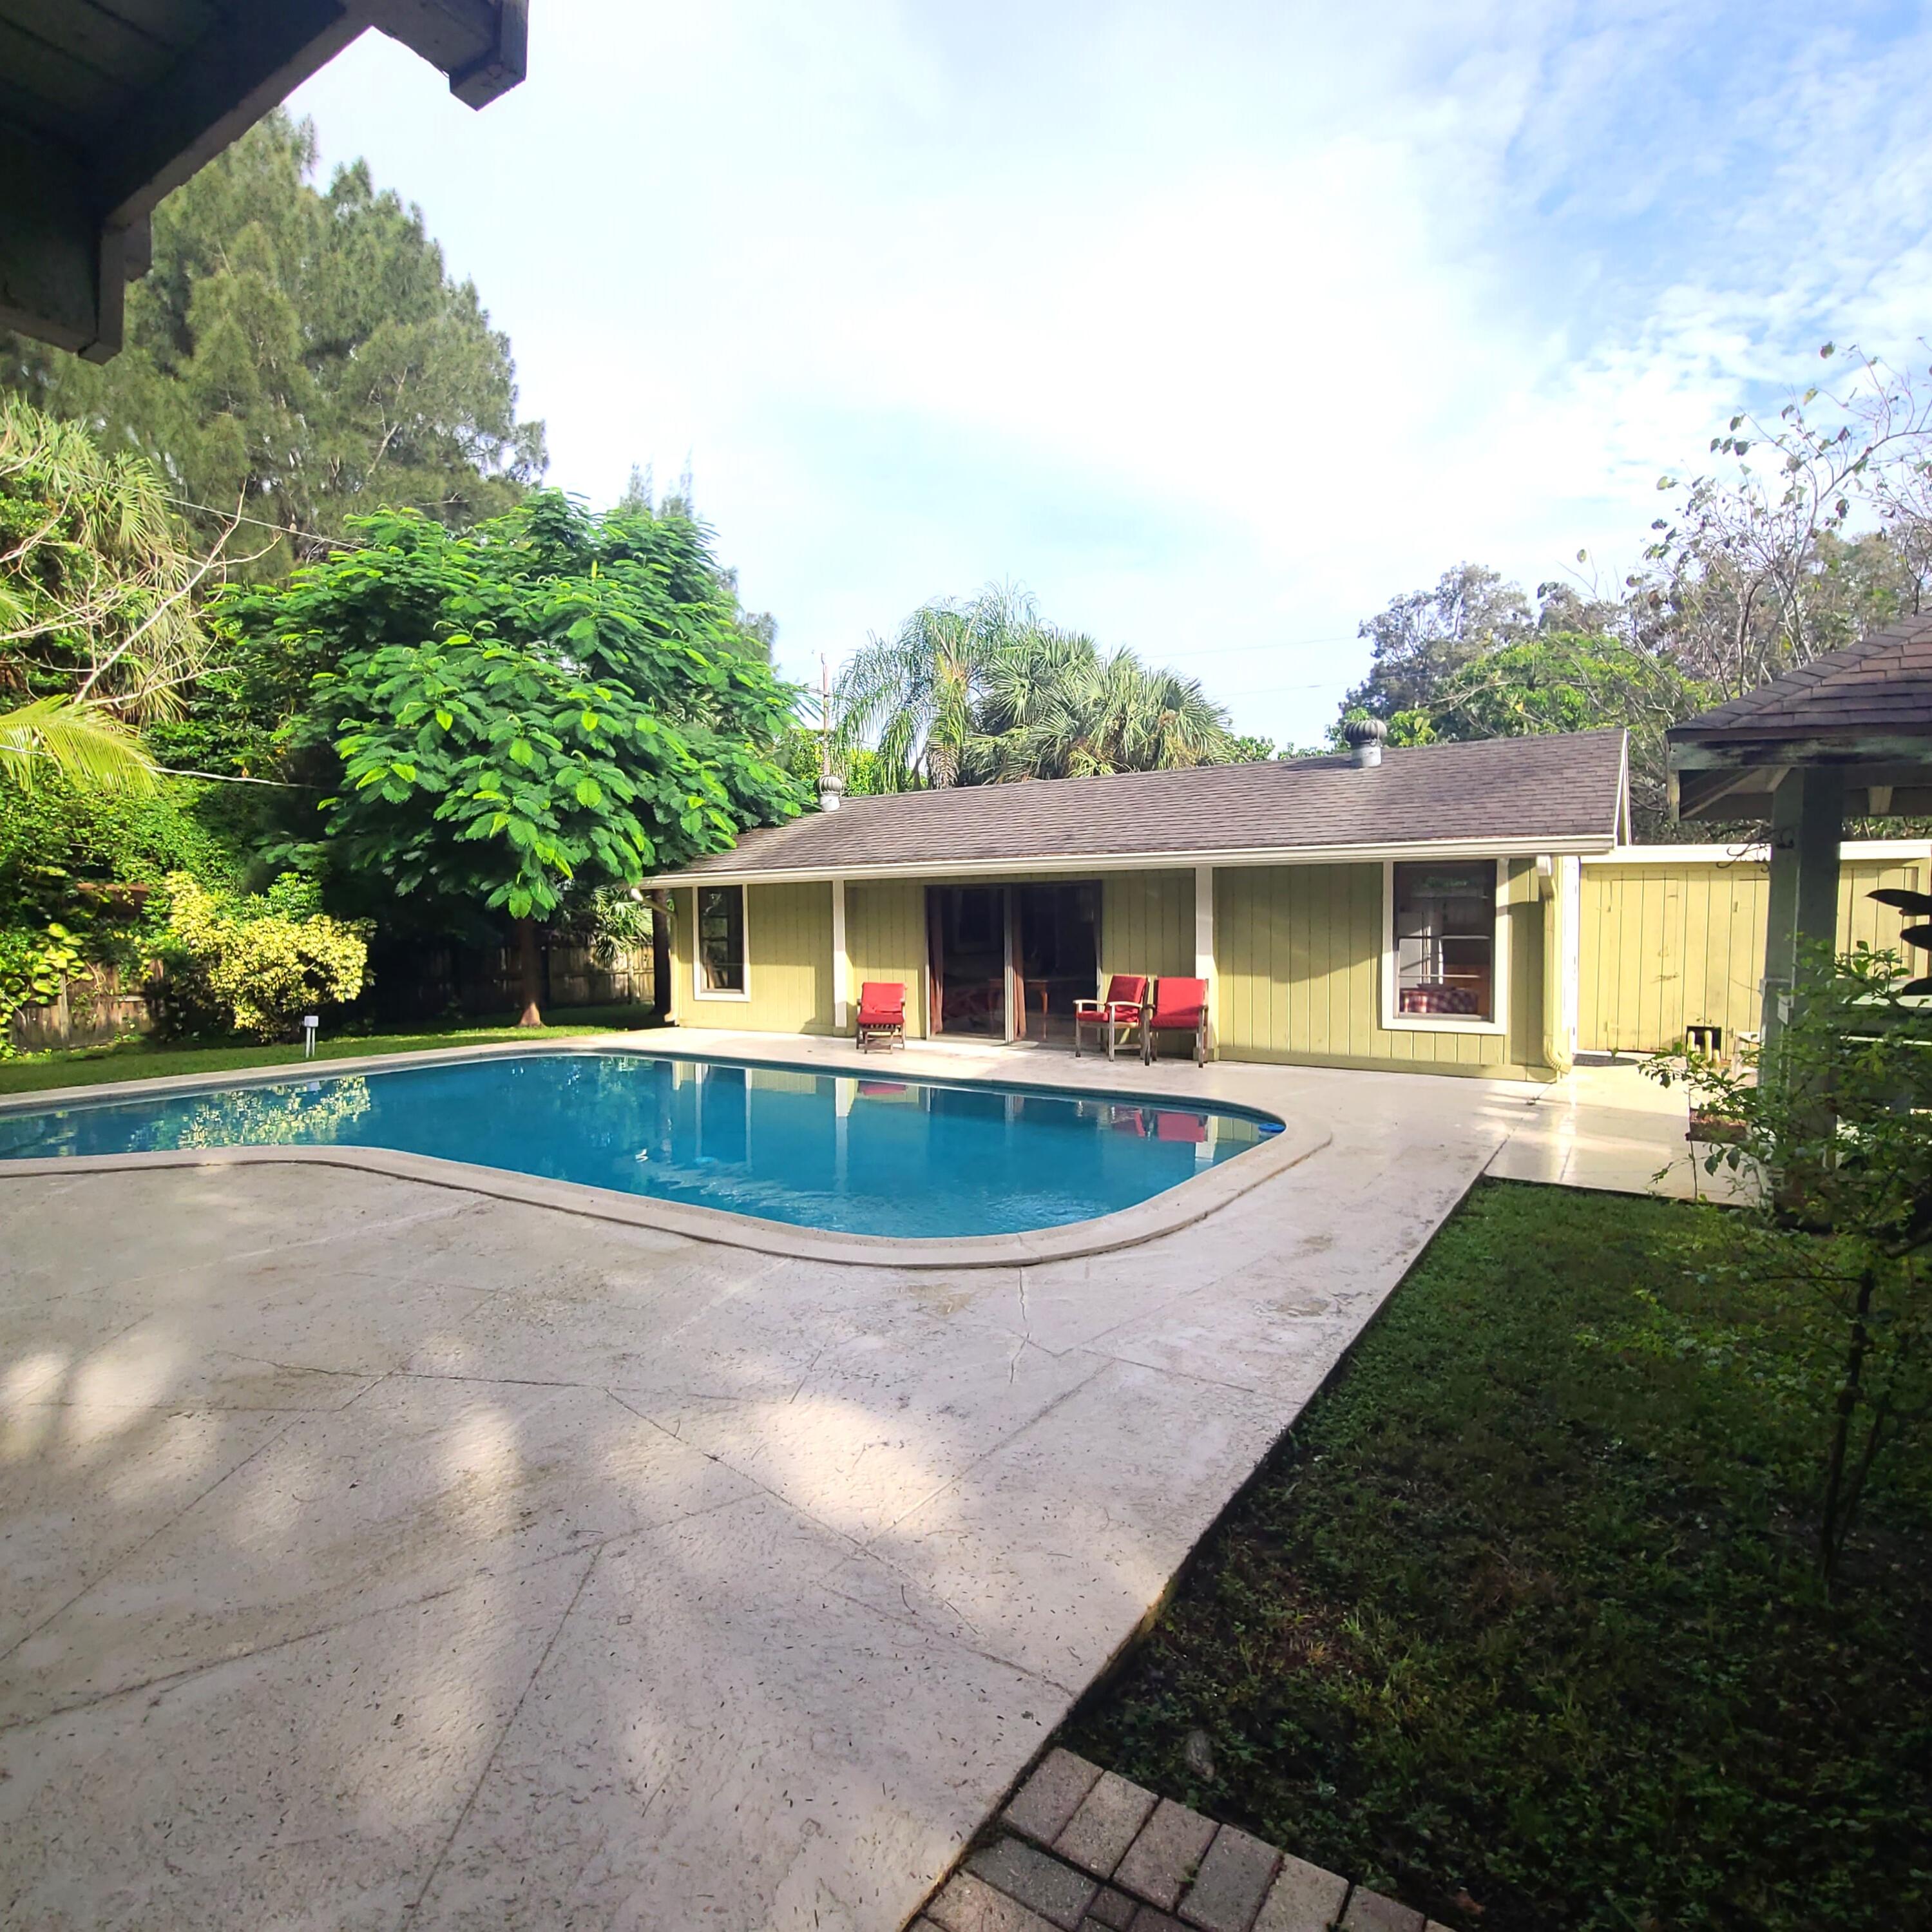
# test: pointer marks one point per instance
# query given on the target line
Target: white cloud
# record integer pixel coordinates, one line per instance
(1217, 328)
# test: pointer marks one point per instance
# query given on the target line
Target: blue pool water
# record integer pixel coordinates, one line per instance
(871, 1155)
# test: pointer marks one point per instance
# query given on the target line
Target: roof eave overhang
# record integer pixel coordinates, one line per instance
(1733, 775)
(1064, 865)
(1735, 750)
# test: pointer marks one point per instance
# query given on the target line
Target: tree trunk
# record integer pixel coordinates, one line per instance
(529, 973)
(660, 956)
(1832, 1524)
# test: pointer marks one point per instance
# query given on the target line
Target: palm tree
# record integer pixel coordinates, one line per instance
(98, 626)
(1056, 708)
(919, 692)
(97, 591)
(983, 692)
(86, 744)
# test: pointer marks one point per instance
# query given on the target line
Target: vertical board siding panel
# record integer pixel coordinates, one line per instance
(1302, 966)
(1255, 1011)
(1361, 965)
(1262, 991)
(885, 929)
(1641, 961)
(1693, 989)
(1266, 963)
(1326, 910)
(1592, 900)
(1667, 991)
(1617, 912)
(1147, 923)
(1266, 1009)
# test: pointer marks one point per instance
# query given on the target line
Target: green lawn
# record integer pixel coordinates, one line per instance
(145, 1060)
(1519, 1626)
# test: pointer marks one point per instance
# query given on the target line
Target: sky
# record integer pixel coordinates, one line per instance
(1214, 327)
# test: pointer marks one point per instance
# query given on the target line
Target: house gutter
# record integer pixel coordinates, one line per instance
(1517, 847)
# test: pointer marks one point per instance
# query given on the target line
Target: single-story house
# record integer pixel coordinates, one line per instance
(1414, 908)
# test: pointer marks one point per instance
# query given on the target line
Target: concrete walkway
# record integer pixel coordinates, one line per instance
(1609, 1126)
(377, 1554)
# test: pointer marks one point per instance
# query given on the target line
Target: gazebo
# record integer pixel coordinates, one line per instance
(1848, 735)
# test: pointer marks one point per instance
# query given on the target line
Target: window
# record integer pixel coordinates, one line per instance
(721, 943)
(1443, 942)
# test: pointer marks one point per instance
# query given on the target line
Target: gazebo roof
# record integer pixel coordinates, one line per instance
(1866, 710)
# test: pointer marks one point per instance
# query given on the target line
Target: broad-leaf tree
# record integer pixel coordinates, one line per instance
(1424, 638)
(503, 719)
(1561, 681)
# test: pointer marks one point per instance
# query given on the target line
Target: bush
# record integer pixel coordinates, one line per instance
(256, 962)
(58, 843)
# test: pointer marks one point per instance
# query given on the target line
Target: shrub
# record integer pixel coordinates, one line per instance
(256, 962)
(59, 845)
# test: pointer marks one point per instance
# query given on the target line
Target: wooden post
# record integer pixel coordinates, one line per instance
(1806, 819)
(841, 964)
(1203, 941)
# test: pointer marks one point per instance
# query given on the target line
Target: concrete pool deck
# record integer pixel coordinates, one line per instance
(376, 1553)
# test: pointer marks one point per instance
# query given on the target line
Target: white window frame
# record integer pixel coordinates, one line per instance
(1393, 1022)
(699, 990)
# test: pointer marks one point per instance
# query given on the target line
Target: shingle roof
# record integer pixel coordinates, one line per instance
(1882, 683)
(1533, 793)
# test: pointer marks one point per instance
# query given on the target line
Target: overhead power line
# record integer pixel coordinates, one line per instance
(262, 524)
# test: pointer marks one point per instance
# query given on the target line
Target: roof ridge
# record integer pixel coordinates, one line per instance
(1554, 788)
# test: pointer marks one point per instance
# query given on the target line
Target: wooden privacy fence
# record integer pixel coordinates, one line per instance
(95, 1007)
(100, 1007)
(1673, 936)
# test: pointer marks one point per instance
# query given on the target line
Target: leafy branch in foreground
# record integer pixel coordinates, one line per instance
(1834, 1132)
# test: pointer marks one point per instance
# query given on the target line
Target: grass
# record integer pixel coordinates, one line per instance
(150, 1060)
(1519, 1624)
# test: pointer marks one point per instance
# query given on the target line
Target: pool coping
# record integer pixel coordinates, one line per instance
(1167, 1213)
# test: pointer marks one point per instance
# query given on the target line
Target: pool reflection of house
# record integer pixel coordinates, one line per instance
(1406, 908)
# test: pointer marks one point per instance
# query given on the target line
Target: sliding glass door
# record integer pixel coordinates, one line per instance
(1007, 962)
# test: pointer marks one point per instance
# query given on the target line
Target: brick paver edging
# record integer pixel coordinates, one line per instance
(1080, 1850)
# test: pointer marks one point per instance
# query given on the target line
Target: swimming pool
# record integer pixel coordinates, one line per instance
(855, 1155)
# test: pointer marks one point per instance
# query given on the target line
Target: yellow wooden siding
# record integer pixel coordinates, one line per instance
(788, 963)
(1668, 945)
(1299, 952)
(885, 939)
(1147, 923)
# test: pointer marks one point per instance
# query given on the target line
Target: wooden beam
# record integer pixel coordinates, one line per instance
(1699, 794)
(74, 211)
(1802, 909)
(213, 94)
(1863, 748)
(482, 45)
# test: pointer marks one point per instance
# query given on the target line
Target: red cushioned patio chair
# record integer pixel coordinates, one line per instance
(881, 1014)
(1180, 1006)
(1124, 1004)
